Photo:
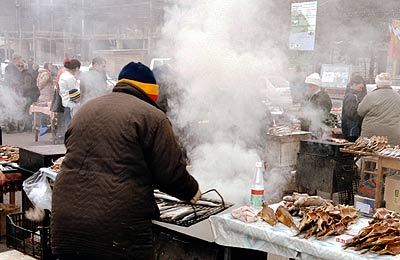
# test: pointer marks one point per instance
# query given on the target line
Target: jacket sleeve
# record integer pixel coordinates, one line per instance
(326, 104)
(167, 164)
(350, 106)
(363, 107)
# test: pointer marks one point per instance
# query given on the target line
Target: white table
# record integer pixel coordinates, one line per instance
(281, 240)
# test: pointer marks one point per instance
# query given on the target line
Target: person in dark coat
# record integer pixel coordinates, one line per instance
(316, 108)
(120, 147)
(351, 121)
(12, 74)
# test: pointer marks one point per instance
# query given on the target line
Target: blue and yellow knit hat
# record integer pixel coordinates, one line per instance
(141, 76)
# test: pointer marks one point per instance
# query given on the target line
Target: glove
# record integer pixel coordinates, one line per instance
(196, 197)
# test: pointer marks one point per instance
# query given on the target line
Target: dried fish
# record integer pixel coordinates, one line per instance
(268, 215)
(283, 215)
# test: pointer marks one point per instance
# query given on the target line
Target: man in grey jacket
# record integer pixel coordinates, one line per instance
(381, 111)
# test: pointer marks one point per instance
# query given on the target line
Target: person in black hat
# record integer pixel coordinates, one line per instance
(120, 147)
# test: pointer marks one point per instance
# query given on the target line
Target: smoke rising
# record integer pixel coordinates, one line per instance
(220, 50)
(11, 106)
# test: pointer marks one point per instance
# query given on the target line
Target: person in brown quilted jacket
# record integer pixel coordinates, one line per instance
(120, 147)
(45, 84)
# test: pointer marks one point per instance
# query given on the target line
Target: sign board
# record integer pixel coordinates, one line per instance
(303, 26)
(335, 75)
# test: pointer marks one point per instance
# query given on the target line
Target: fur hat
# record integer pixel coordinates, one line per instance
(314, 79)
(383, 79)
(74, 94)
(141, 76)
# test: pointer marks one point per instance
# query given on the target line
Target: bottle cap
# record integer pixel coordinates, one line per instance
(259, 164)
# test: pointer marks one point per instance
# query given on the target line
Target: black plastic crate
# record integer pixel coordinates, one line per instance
(28, 237)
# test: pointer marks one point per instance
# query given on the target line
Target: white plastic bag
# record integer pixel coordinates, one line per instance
(38, 190)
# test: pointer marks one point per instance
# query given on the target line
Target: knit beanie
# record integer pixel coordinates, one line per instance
(74, 94)
(141, 76)
(314, 79)
(383, 79)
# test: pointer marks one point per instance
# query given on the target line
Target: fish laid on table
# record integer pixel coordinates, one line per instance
(268, 215)
(283, 215)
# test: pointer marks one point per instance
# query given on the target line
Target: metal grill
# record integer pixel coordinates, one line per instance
(321, 166)
(200, 212)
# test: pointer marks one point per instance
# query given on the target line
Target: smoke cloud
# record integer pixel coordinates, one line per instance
(221, 50)
(11, 107)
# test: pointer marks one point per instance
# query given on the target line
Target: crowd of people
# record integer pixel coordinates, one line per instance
(44, 85)
(363, 114)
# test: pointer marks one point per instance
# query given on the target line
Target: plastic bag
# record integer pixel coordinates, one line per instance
(38, 190)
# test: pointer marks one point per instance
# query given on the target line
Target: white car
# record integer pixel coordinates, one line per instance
(156, 62)
(276, 91)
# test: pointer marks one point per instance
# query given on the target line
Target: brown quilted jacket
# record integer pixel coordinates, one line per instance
(119, 148)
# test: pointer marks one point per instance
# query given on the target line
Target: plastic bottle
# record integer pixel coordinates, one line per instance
(257, 188)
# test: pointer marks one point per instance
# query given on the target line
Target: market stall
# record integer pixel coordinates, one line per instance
(283, 241)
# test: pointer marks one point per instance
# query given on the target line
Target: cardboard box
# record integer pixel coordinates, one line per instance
(365, 205)
(392, 193)
(6, 209)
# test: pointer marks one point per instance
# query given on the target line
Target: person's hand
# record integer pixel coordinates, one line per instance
(196, 197)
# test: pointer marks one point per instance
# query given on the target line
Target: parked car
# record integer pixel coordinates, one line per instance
(276, 91)
(156, 62)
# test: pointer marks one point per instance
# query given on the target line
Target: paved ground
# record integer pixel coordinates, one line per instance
(27, 139)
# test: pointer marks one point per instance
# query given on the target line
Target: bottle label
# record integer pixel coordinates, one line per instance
(257, 198)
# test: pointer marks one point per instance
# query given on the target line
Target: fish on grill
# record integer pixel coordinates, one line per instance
(194, 215)
(177, 213)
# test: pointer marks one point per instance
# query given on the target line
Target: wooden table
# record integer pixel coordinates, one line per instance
(384, 162)
(36, 108)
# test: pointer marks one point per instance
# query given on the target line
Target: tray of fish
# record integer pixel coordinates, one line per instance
(368, 145)
(8, 154)
(391, 152)
(182, 213)
(5, 168)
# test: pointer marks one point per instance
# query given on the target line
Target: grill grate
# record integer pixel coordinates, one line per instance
(201, 212)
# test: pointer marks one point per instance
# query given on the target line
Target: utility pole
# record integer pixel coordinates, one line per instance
(18, 24)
